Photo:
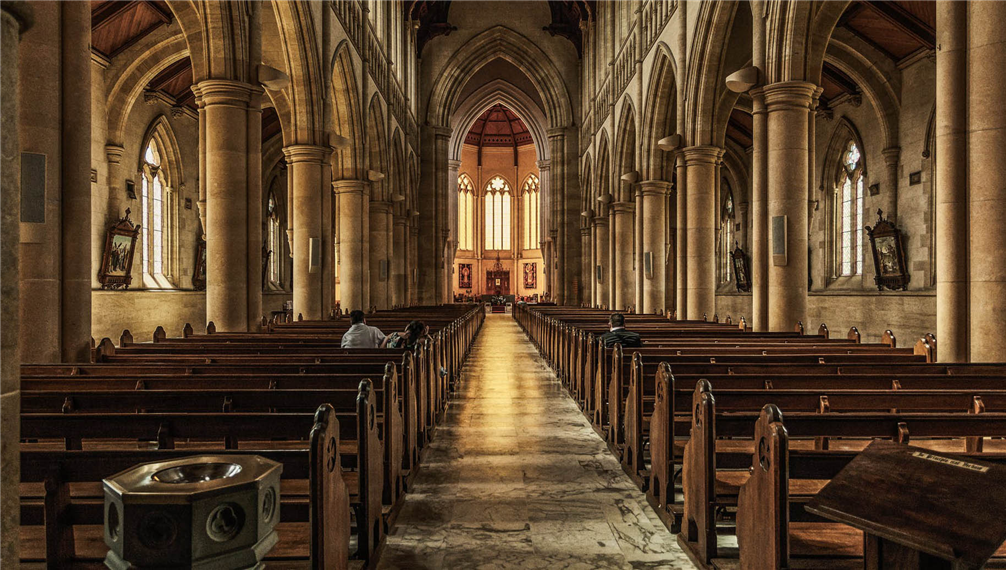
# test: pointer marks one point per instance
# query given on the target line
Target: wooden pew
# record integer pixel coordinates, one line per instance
(62, 501)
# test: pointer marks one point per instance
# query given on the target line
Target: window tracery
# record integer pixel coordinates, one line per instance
(530, 197)
(497, 206)
(848, 200)
(466, 213)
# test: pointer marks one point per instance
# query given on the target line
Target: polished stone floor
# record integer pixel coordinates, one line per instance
(516, 478)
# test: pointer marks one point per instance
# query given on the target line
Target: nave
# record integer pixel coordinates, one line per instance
(516, 478)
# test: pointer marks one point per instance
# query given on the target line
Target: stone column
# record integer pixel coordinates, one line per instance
(654, 200)
(398, 261)
(15, 17)
(305, 163)
(592, 269)
(603, 259)
(354, 198)
(75, 181)
(327, 236)
(637, 251)
(623, 266)
(452, 223)
(225, 110)
(986, 187)
(114, 209)
(561, 241)
(759, 213)
(892, 156)
(379, 226)
(952, 290)
(788, 104)
(701, 165)
(412, 268)
(255, 201)
(681, 239)
(585, 265)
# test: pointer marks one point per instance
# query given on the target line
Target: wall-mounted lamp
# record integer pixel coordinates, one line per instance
(375, 176)
(629, 177)
(398, 197)
(604, 198)
(742, 79)
(339, 142)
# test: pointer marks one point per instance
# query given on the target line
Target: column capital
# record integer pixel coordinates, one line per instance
(380, 207)
(654, 187)
(349, 186)
(21, 12)
(585, 231)
(114, 152)
(789, 95)
(306, 153)
(553, 132)
(399, 220)
(224, 92)
(543, 164)
(454, 164)
(704, 154)
(891, 155)
(600, 220)
(441, 132)
(623, 207)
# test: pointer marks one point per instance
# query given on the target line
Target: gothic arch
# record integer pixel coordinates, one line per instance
(128, 87)
(625, 153)
(398, 172)
(703, 87)
(586, 177)
(346, 161)
(797, 35)
(843, 132)
(161, 133)
(659, 116)
(377, 149)
(299, 45)
(602, 177)
(500, 42)
(875, 87)
(498, 91)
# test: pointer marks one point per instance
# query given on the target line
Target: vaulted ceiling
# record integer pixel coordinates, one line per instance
(117, 24)
(498, 126)
(897, 29)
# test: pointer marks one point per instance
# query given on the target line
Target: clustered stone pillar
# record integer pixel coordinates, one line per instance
(306, 165)
(625, 281)
(681, 239)
(75, 181)
(380, 225)
(654, 212)
(225, 107)
(398, 261)
(411, 267)
(256, 254)
(759, 215)
(601, 249)
(892, 157)
(788, 105)
(15, 17)
(354, 200)
(986, 176)
(586, 268)
(702, 173)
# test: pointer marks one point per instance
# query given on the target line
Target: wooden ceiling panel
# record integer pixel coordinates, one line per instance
(896, 29)
(117, 25)
(498, 126)
(739, 128)
(270, 124)
(175, 81)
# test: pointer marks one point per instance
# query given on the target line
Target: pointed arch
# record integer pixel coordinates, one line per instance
(602, 195)
(398, 181)
(299, 46)
(586, 197)
(467, 223)
(659, 117)
(843, 187)
(377, 149)
(625, 144)
(505, 93)
(500, 42)
(161, 133)
(346, 161)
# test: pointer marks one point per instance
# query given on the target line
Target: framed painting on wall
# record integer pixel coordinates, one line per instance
(117, 261)
(465, 276)
(888, 255)
(199, 272)
(741, 275)
(530, 275)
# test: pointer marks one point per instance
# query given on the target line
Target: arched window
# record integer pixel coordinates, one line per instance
(529, 195)
(155, 202)
(497, 213)
(849, 212)
(273, 240)
(726, 234)
(466, 213)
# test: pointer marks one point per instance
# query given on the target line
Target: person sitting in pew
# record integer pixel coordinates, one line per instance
(416, 331)
(618, 334)
(361, 335)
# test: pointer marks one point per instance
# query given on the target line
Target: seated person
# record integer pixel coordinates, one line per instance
(618, 334)
(360, 335)
(415, 332)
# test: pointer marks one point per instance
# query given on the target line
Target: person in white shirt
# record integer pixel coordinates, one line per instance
(361, 335)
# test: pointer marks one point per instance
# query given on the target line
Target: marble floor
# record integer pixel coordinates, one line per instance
(516, 478)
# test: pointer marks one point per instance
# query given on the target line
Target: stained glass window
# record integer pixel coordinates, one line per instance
(530, 196)
(849, 213)
(154, 201)
(498, 203)
(273, 239)
(726, 234)
(466, 213)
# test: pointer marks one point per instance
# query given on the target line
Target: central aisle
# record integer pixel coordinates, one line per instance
(516, 478)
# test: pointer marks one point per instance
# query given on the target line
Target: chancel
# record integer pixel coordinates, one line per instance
(655, 276)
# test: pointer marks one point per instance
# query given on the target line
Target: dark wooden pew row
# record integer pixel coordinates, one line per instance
(62, 512)
(773, 529)
(717, 455)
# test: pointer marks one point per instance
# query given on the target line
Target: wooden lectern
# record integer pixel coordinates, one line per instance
(918, 509)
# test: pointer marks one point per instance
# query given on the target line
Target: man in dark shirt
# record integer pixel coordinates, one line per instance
(618, 334)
